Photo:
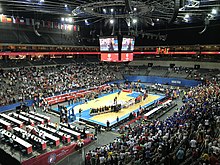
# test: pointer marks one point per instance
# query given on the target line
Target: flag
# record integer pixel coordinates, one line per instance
(43, 23)
(78, 28)
(70, 27)
(32, 22)
(17, 20)
(3, 18)
(27, 21)
(13, 19)
(74, 28)
(55, 25)
(9, 20)
(62, 26)
(48, 24)
(65, 26)
(59, 25)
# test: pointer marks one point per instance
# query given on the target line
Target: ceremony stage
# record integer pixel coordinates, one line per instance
(107, 99)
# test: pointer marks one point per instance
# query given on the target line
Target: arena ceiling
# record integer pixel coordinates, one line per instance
(131, 15)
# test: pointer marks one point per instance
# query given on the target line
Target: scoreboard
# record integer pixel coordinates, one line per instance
(117, 49)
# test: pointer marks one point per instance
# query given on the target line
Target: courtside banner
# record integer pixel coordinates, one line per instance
(54, 156)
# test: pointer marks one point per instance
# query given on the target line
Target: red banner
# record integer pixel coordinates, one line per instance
(110, 57)
(54, 156)
(63, 97)
(127, 57)
(44, 53)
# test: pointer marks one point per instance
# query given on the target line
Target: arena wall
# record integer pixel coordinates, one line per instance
(188, 64)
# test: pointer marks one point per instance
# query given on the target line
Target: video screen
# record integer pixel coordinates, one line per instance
(109, 57)
(127, 57)
(108, 44)
(127, 44)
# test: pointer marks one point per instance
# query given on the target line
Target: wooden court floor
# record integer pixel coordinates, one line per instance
(101, 102)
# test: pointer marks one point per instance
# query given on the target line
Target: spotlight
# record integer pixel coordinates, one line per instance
(134, 21)
(86, 22)
(112, 21)
(104, 10)
(65, 5)
(62, 19)
(70, 20)
(214, 11)
(112, 10)
(186, 16)
(158, 19)
(135, 9)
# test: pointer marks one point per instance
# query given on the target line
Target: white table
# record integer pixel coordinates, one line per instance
(72, 132)
(18, 122)
(33, 117)
(23, 118)
(166, 102)
(18, 140)
(60, 133)
(51, 137)
(152, 111)
(47, 118)
(32, 137)
(74, 128)
(5, 124)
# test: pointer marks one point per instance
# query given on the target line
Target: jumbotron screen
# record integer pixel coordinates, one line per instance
(108, 44)
(127, 44)
(109, 57)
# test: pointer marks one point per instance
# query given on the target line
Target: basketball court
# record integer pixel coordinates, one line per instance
(107, 99)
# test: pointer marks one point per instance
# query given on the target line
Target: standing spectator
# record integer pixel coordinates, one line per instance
(108, 124)
(80, 112)
(117, 119)
(180, 155)
(193, 143)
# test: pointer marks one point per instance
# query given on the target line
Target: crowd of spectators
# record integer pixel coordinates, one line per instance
(189, 136)
(25, 83)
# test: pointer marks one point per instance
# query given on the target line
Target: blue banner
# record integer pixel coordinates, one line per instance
(163, 80)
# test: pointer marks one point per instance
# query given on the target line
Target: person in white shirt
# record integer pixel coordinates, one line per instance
(193, 143)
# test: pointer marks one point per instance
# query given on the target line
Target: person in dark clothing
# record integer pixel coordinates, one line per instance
(117, 119)
(108, 124)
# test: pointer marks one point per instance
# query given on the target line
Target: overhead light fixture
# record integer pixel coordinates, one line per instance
(186, 16)
(158, 19)
(112, 10)
(214, 11)
(135, 9)
(134, 21)
(112, 21)
(86, 22)
(70, 20)
(104, 10)
(62, 19)
(65, 5)
(67, 19)
(41, 1)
